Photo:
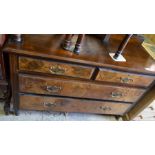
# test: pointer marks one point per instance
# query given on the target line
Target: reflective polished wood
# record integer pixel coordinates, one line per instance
(86, 81)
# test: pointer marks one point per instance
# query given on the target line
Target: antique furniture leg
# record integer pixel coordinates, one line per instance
(122, 46)
(78, 43)
(67, 42)
(14, 80)
(106, 38)
(17, 38)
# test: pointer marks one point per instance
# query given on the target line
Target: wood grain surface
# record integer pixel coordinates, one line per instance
(30, 102)
(74, 88)
(54, 67)
(124, 77)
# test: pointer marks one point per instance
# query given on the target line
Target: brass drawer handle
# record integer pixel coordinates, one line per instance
(105, 108)
(126, 80)
(57, 70)
(49, 104)
(52, 89)
(116, 94)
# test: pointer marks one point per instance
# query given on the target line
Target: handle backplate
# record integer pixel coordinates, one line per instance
(126, 80)
(56, 69)
(105, 108)
(116, 94)
(52, 89)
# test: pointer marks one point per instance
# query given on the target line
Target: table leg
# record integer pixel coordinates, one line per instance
(122, 45)
(67, 42)
(79, 43)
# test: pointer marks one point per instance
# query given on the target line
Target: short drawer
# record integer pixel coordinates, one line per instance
(74, 88)
(29, 102)
(123, 77)
(53, 67)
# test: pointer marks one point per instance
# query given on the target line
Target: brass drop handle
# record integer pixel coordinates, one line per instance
(116, 94)
(126, 80)
(57, 70)
(49, 104)
(105, 108)
(52, 89)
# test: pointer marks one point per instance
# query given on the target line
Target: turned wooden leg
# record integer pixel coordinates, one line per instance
(17, 38)
(67, 42)
(122, 45)
(106, 38)
(79, 43)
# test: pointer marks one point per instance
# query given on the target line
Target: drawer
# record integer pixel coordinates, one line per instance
(29, 102)
(123, 77)
(57, 68)
(74, 88)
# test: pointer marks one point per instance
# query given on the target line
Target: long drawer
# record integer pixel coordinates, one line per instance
(123, 77)
(29, 102)
(53, 67)
(74, 88)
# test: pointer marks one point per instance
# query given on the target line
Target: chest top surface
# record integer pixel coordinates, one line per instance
(93, 52)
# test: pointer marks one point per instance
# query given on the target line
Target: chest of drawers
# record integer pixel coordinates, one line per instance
(46, 77)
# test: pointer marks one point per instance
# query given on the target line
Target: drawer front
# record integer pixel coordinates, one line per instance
(57, 68)
(73, 88)
(122, 77)
(29, 102)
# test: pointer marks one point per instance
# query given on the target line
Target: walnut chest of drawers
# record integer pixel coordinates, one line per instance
(46, 77)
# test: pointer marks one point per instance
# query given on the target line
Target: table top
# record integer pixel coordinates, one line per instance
(93, 52)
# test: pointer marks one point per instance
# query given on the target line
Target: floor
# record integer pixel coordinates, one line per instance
(52, 116)
(147, 114)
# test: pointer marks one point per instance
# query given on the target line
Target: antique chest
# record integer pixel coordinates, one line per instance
(46, 77)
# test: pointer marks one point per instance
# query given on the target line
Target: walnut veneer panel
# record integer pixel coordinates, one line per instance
(30, 102)
(57, 68)
(75, 88)
(124, 77)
